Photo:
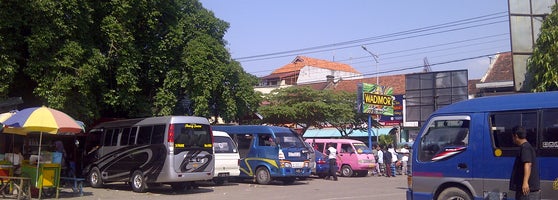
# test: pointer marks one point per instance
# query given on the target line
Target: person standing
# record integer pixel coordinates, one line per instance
(376, 171)
(387, 162)
(380, 161)
(332, 160)
(525, 180)
(394, 160)
(404, 159)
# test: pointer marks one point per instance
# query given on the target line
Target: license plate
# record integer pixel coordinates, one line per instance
(297, 164)
(294, 154)
(223, 174)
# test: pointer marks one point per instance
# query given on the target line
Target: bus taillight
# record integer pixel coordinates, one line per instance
(170, 139)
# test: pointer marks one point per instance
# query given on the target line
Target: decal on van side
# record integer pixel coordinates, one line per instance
(250, 171)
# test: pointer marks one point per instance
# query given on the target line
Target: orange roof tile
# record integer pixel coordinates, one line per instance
(501, 70)
(301, 61)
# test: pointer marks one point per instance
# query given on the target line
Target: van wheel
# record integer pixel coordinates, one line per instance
(95, 178)
(137, 181)
(346, 171)
(454, 193)
(262, 176)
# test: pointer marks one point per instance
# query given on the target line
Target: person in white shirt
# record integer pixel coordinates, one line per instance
(380, 161)
(332, 159)
(393, 160)
(404, 159)
(16, 159)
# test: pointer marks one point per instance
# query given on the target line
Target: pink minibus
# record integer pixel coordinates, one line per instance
(356, 158)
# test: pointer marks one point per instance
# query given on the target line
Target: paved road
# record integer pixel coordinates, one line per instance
(352, 188)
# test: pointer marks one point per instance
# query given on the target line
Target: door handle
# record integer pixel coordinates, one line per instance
(462, 166)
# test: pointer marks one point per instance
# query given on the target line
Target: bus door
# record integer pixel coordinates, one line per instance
(443, 153)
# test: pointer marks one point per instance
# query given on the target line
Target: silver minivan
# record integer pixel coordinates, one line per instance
(226, 157)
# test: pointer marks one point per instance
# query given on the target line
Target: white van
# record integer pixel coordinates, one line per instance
(226, 157)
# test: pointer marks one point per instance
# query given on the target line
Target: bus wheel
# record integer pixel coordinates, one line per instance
(137, 181)
(262, 176)
(95, 178)
(454, 193)
(346, 171)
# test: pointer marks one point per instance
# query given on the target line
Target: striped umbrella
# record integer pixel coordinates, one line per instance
(44, 120)
(7, 129)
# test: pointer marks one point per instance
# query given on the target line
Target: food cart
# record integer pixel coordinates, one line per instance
(45, 177)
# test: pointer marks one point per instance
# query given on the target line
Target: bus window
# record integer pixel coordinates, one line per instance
(158, 135)
(191, 136)
(443, 134)
(125, 137)
(108, 137)
(144, 135)
(502, 124)
(549, 139)
(133, 133)
(115, 134)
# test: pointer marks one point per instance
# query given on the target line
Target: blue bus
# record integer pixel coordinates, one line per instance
(465, 150)
(270, 153)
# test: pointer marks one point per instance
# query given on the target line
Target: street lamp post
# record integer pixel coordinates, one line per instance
(377, 85)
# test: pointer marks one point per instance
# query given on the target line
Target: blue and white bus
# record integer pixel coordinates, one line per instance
(270, 153)
(465, 150)
(175, 150)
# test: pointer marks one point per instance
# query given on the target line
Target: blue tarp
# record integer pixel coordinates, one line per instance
(332, 132)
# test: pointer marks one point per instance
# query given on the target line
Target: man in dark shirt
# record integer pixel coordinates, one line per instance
(525, 179)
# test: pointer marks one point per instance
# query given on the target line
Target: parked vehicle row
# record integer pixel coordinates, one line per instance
(180, 150)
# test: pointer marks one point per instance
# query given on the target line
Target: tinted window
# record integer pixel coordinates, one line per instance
(115, 135)
(361, 148)
(223, 145)
(158, 135)
(144, 135)
(108, 137)
(549, 137)
(191, 136)
(442, 134)
(133, 133)
(125, 136)
(502, 125)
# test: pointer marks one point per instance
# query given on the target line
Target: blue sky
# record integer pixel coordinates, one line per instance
(265, 35)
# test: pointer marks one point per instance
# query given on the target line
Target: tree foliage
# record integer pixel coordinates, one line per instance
(118, 58)
(307, 108)
(543, 64)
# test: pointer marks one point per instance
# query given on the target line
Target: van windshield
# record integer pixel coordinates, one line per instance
(289, 139)
(361, 148)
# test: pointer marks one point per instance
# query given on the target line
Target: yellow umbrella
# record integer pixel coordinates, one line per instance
(9, 129)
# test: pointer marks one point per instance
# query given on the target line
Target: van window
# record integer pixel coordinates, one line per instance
(223, 145)
(158, 135)
(144, 135)
(191, 136)
(289, 139)
(266, 140)
(441, 134)
(502, 124)
(347, 148)
(244, 142)
(549, 139)
(361, 148)
(125, 137)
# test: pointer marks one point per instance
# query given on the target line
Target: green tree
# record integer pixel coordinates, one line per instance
(307, 108)
(120, 58)
(543, 64)
(343, 113)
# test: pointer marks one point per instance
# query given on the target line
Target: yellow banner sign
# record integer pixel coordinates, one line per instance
(376, 99)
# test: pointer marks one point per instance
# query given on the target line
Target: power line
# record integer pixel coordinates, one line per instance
(391, 35)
